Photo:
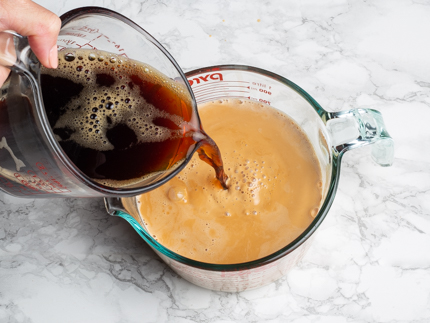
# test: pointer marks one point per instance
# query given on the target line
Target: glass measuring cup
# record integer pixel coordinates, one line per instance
(32, 163)
(331, 135)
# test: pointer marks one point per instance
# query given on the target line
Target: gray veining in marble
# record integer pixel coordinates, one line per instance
(66, 260)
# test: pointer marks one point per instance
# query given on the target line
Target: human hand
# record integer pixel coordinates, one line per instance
(40, 25)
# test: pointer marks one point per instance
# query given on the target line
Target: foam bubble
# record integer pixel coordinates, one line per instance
(314, 212)
(178, 194)
(96, 102)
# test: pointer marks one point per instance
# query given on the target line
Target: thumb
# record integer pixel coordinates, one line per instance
(40, 25)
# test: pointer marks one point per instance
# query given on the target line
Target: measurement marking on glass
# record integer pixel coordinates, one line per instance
(220, 88)
(198, 85)
(211, 98)
(88, 35)
(218, 92)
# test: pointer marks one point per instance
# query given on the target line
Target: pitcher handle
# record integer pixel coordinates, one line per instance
(14, 50)
(360, 127)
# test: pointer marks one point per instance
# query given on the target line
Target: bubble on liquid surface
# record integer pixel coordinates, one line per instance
(314, 212)
(69, 57)
(102, 88)
(178, 194)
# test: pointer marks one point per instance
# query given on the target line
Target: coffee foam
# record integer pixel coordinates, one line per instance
(249, 176)
(100, 108)
(274, 188)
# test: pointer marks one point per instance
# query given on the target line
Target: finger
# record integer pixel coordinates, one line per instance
(45, 48)
(39, 24)
(4, 73)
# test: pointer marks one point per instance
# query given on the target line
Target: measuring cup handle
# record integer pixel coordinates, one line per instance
(360, 127)
(14, 49)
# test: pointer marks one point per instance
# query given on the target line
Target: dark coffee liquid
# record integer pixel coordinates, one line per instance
(122, 122)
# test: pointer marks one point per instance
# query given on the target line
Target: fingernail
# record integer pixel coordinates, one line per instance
(53, 57)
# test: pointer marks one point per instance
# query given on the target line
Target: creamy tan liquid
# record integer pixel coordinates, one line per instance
(274, 188)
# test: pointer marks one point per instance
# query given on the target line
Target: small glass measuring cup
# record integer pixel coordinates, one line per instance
(331, 135)
(32, 163)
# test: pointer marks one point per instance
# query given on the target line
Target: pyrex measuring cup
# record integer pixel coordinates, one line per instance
(331, 135)
(32, 163)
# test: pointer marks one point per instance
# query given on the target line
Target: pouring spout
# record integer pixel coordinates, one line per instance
(114, 205)
(117, 206)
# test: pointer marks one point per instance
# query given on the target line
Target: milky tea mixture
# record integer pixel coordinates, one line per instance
(274, 189)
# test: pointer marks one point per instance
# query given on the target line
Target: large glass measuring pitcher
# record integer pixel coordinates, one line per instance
(331, 134)
(32, 163)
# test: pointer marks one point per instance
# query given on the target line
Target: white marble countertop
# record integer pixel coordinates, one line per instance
(66, 260)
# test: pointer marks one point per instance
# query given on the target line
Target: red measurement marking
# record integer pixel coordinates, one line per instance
(5, 182)
(265, 91)
(221, 94)
(80, 35)
(87, 29)
(17, 189)
(206, 99)
(67, 41)
(39, 183)
(264, 101)
(87, 45)
(259, 84)
(227, 87)
(50, 179)
(24, 182)
(90, 35)
(212, 84)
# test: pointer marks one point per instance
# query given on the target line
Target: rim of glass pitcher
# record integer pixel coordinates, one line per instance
(107, 191)
(306, 234)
